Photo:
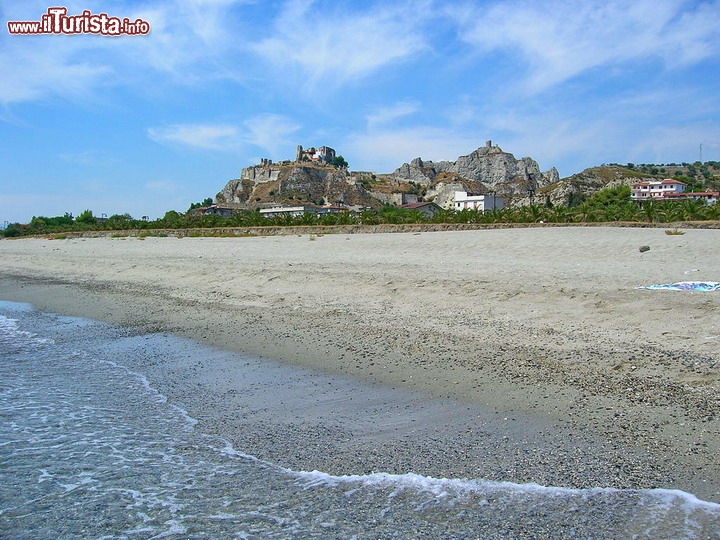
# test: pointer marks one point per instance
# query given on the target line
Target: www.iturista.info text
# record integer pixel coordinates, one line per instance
(57, 21)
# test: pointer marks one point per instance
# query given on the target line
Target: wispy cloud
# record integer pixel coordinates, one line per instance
(270, 132)
(34, 73)
(338, 45)
(89, 158)
(191, 41)
(204, 136)
(558, 40)
(386, 115)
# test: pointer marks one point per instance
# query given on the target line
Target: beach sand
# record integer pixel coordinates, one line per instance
(523, 355)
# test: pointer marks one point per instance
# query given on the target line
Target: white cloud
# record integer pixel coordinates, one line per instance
(204, 136)
(190, 40)
(193, 41)
(386, 115)
(35, 72)
(559, 40)
(336, 47)
(89, 158)
(269, 132)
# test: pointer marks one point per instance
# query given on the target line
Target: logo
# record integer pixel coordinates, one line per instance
(57, 21)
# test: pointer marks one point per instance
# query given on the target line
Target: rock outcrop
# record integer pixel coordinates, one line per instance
(293, 183)
(578, 187)
(489, 165)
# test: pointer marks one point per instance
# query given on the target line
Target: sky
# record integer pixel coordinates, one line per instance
(143, 124)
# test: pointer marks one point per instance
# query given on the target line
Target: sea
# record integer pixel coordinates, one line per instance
(90, 449)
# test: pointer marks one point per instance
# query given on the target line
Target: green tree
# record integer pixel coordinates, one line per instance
(13, 230)
(86, 218)
(171, 220)
(339, 162)
(614, 196)
(206, 202)
(38, 224)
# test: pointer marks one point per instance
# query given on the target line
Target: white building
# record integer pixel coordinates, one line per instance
(283, 211)
(463, 201)
(657, 189)
(708, 197)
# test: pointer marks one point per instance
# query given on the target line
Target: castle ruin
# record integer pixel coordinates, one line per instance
(324, 154)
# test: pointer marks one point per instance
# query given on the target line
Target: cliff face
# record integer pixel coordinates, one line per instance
(489, 165)
(293, 183)
(580, 186)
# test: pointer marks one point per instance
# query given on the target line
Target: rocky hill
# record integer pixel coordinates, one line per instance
(578, 187)
(488, 169)
(294, 183)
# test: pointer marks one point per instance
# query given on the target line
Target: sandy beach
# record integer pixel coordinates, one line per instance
(524, 355)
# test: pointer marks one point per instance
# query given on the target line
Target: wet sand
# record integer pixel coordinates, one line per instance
(523, 355)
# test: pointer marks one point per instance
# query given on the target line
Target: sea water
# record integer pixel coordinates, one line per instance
(89, 449)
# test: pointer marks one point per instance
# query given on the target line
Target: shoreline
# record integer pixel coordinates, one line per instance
(543, 324)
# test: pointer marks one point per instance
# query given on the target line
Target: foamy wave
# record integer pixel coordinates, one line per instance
(459, 488)
(158, 397)
(12, 336)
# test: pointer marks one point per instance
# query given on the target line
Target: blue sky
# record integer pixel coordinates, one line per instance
(146, 124)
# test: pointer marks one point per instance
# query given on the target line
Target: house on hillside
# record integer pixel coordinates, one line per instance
(464, 201)
(331, 209)
(708, 197)
(300, 210)
(427, 209)
(670, 190)
(284, 211)
(656, 189)
(216, 210)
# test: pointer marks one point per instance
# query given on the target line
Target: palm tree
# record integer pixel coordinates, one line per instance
(559, 214)
(670, 212)
(442, 216)
(694, 210)
(649, 210)
(346, 218)
(587, 212)
(368, 217)
(307, 218)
